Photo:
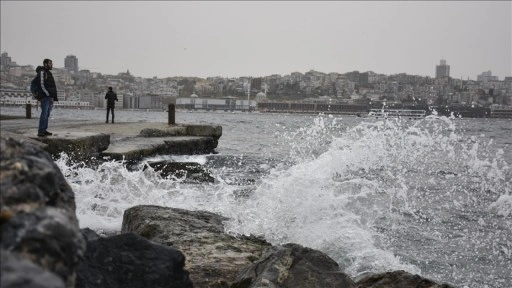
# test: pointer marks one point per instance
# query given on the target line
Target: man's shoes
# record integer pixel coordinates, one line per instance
(48, 133)
(41, 135)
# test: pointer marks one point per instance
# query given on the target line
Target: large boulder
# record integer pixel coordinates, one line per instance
(31, 180)
(130, 261)
(190, 171)
(398, 279)
(18, 272)
(293, 266)
(213, 258)
(37, 211)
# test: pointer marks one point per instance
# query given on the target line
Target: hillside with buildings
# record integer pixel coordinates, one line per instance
(89, 87)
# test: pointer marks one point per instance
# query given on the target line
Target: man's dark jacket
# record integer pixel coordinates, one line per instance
(111, 97)
(47, 83)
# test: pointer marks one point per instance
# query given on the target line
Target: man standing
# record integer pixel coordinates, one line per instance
(111, 97)
(49, 91)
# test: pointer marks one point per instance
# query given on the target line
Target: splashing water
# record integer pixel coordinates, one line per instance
(423, 196)
(383, 195)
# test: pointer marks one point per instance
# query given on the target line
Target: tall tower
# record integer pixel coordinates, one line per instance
(71, 63)
(442, 70)
(5, 60)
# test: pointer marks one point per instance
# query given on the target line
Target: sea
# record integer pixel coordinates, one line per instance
(431, 196)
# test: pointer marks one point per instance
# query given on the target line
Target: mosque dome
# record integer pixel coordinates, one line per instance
(261, 96)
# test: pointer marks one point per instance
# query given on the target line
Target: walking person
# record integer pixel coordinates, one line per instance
(49, 91)
(111, 97)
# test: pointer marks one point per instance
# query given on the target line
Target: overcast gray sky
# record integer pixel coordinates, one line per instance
(260, 38)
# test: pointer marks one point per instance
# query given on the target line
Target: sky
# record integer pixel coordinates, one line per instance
(260, 38)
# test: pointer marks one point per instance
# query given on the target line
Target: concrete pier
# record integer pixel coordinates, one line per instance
(81, 140)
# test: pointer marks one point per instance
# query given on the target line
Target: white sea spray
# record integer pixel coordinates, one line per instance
(377, 195)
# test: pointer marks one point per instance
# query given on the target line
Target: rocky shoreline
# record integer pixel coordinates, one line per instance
(42, 245)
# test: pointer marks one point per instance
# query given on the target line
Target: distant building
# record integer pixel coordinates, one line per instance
(442, 70)
(256, 83)
(6, 60)
(486, 76)
(71, 63)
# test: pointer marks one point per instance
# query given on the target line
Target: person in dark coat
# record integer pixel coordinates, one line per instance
(49, 92)
(111, 97)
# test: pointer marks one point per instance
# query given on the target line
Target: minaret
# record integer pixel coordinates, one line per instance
(249, 94)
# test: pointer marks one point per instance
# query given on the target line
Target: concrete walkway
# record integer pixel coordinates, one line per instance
(129, 141)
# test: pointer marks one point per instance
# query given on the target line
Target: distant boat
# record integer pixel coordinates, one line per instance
(398, 113)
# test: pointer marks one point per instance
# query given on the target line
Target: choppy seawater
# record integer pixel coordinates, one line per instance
(429, 196)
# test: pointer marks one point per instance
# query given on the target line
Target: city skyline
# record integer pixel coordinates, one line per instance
(235, 39)
(73, 66)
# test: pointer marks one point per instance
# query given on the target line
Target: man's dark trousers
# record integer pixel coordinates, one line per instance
(110, 108)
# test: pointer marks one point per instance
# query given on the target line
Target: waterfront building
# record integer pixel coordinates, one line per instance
(228, 103)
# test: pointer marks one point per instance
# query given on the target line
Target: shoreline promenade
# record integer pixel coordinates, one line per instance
(82, 139)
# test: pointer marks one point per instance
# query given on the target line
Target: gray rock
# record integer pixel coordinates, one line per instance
(214, 131)
(188, 170)
(136, 148)
(398, 279)
(214, 258)
(30, 179)
(78, 146)
(18, 272)
(130, 261)
(48, 237)
(23, 139)
(38, 210)
(156, 132)
(89, 234)
(293, 266)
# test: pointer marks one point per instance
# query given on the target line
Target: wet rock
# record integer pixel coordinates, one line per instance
(182, 170)
(398, 279)
(18, 272)
(136, 148)
(48, 237)
(77, 145)
(293, 266)
(171, 131)
(213, 258)
(214, 131)
(89, 234)
(130, 261)
(24, 139)
(31, 180)
(191, 145)
(38, 220)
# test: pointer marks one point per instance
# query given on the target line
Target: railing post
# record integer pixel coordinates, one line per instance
(172, 114)
(28, 111)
